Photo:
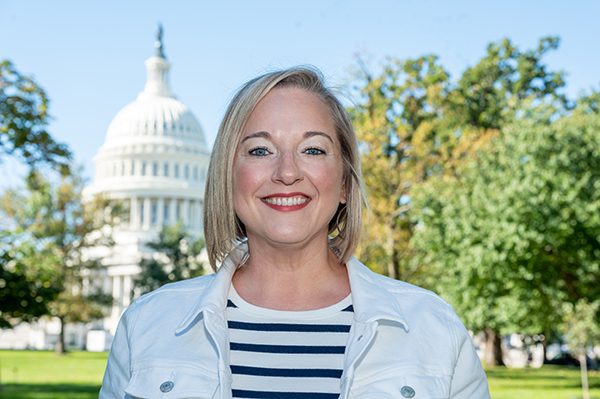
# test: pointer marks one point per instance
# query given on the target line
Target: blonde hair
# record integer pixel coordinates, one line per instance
(223, 229)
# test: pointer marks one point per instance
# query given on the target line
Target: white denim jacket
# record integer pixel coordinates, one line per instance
(404, 342)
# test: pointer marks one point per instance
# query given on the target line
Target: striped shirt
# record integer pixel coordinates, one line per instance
(286, 354)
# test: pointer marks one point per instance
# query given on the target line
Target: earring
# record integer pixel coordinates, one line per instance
(344, 209)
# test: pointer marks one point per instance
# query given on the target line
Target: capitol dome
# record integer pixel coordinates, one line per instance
(155, 140)
(155, 156)
(156, 114)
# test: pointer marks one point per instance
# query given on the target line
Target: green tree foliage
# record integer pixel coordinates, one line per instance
(47, 252)
(23, 120)
(26, 281)
(176, 258)
(413, 122)
(581, 331)
(501, 81)
(513, 233)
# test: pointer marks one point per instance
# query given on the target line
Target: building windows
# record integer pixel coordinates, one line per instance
(154, 213)
(195, 173)
(155, 169)
(142, 213)
(186, 172)
(143, 168)
(166, 212)
(132, 168)
(176, 173)
(177, 211)
(166, 169)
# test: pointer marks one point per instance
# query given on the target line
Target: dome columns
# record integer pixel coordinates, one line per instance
(152, 212)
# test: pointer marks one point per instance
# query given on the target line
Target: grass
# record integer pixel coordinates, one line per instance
(43, 375)
(548, 382)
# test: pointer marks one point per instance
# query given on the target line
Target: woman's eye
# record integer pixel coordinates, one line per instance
(314, 151)
(259, 152)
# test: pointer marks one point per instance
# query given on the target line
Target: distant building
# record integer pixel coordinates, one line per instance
(155, 160)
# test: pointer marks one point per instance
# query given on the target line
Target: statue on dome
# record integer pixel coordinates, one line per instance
(158, 44)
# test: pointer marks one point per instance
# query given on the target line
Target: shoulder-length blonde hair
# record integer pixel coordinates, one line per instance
(222, 228)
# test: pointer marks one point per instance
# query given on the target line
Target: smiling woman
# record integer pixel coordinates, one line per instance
(289, 313)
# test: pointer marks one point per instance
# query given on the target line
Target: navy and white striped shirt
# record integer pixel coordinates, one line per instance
(287, 354)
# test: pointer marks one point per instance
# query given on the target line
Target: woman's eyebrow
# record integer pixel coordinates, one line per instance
(311, 134)
(264, 135)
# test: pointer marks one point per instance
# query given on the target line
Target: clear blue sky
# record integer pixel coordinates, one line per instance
(89, 56)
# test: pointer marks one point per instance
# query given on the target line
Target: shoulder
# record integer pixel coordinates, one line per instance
(399, 289)
(418, 307)
(179, 288)
(168, 303)
(407, 290)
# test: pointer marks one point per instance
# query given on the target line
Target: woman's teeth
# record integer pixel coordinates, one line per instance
(286, 201)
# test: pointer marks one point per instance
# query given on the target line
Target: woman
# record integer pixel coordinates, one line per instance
(289, 313)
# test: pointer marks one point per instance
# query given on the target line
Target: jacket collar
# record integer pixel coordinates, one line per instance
(370, 300)
(214, 297)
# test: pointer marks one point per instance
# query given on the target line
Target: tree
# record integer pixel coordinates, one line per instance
(26, 281)
(513, 234)
(23, 120)
(176, 258)
(582, 330)
(413, 122)
(49, 244)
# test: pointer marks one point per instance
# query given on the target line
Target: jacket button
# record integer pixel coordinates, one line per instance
(166, 386)
(407, 391)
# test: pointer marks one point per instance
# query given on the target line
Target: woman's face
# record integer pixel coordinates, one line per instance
(287, 173)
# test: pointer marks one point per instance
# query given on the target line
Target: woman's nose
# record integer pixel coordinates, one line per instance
(287, 171)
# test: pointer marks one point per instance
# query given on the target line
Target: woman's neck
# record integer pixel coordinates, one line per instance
(292, 277)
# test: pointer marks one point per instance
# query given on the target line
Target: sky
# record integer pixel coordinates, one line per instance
(89, 56)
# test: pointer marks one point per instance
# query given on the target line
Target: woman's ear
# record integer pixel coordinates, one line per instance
(343, 193)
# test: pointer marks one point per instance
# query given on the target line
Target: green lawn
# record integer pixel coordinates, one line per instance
(548, 382)
(42, 375)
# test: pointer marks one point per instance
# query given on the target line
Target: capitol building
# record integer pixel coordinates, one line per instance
(154, 160)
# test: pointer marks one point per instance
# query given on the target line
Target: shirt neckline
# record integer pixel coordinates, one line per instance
(258, 311)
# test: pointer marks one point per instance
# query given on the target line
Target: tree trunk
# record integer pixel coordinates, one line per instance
(389, 251)
(60, 345)
(493, 348)
(545, 346)
(584, 380)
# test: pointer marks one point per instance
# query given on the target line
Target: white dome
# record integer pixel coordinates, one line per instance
(155, 116)
(154, 147)
(150, 118)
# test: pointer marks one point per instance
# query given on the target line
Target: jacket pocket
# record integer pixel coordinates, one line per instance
(171, 383)
(402, 384)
